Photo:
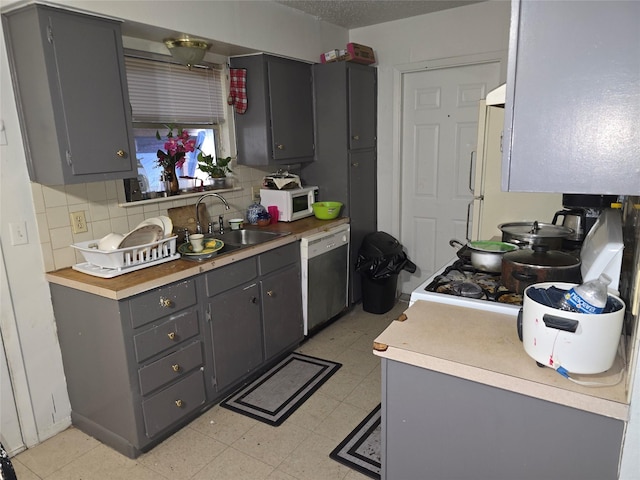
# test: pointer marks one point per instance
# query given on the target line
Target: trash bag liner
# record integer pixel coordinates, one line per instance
(381, 256)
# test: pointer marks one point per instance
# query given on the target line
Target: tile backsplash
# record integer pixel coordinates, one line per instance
(100, 202)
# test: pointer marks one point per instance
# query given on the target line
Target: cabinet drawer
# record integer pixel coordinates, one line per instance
(170, 368)
(161, 302)
(226, 278)
(166, 335)
(173, 403)
(278, 258)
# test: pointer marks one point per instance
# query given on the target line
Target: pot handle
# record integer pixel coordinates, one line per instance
(454, 243)
(523, 277)
(560, 323)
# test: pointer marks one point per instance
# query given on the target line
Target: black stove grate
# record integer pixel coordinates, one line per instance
(462, 279)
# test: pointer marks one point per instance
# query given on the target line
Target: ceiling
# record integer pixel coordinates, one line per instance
(361, 13)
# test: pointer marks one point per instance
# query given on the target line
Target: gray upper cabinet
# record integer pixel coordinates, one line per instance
(70, 86)
(573, 98)
(277, 128)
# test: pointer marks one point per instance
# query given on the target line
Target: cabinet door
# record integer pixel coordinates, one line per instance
(282, 310)
(362, 108)
(290, 99)
(71, 91)
(362, 208)
(571, 119)
(89, 65)
(236, 334)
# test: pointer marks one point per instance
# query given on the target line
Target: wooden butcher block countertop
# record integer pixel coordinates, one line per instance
(139, 281)
(484, 347)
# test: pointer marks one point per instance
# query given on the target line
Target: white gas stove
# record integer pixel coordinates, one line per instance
(458, 283)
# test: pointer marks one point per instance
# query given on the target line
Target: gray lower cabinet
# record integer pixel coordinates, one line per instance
(140, 368)
(134, 368)
(255, 313)
(277, 127)
(70, 85)
(437, 426)
(573, 98)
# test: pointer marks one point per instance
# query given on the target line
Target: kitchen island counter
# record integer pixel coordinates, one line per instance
(140, 281)
(484, 347)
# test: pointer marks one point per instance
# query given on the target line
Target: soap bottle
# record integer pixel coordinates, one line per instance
(590, 297)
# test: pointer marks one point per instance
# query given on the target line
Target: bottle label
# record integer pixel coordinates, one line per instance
(579, 304)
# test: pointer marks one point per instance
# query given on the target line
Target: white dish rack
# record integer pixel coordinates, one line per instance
(108, 264)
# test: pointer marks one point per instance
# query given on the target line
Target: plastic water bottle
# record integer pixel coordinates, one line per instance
(590, 297)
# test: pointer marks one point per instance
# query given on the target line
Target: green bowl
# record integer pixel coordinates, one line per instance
(326, 210)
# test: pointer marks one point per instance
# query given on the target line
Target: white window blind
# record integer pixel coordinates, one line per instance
(162, 92)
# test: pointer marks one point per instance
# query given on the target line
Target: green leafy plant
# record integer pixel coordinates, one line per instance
(216, 168)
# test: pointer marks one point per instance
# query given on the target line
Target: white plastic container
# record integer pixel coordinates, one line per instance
(579, 342)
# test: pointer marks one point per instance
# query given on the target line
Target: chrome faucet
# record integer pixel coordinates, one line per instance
(226, 206)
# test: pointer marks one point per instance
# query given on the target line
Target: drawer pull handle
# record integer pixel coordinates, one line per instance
(175, 368)
(270, 293)
(179, 403)
(171, 335)
(120, 153)
(165, 302)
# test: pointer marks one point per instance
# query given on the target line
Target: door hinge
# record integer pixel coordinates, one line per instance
(69, 159)
(49, 34)
(207, 313)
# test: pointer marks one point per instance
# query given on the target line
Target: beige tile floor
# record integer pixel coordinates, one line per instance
(221, 444)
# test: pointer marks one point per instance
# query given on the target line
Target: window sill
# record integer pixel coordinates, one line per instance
(179, 196)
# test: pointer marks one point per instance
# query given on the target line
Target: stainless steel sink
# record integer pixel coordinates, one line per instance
(246, 238)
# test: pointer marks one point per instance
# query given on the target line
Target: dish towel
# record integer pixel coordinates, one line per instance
(238, 89)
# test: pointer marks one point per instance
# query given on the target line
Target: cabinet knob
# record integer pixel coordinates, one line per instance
(179, 403)
(165, 302)
(356, 137)
(175, 368)
(270, 293)
(121, 153)
(280, 146)
(254, 299)
(355, 164)
(171, 335)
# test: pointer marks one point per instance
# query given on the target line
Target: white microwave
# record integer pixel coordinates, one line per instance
(292, 204)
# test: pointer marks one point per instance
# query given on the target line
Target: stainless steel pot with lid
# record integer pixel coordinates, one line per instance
(528, 234)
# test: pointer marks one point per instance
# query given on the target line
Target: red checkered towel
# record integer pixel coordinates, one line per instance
(238, 89)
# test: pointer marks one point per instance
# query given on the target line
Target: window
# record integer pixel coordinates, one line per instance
(164, 93)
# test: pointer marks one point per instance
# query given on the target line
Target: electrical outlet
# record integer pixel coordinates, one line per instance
(18, 233)
(78, 222)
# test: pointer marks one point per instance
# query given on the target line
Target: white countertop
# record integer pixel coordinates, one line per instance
(484, 347)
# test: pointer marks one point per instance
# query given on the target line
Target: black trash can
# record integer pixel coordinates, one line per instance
(380, 260)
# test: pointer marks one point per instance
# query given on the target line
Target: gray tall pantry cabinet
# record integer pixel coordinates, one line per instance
(345, 100)
(571, 113)
(70, 85)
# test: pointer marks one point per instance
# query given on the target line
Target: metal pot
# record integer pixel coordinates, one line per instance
(525, 267)
(485, 255)
(529, 234)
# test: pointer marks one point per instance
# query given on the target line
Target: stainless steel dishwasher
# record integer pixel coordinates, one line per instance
(325, 276)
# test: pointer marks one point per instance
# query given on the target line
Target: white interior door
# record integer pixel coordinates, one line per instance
(439, 132)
